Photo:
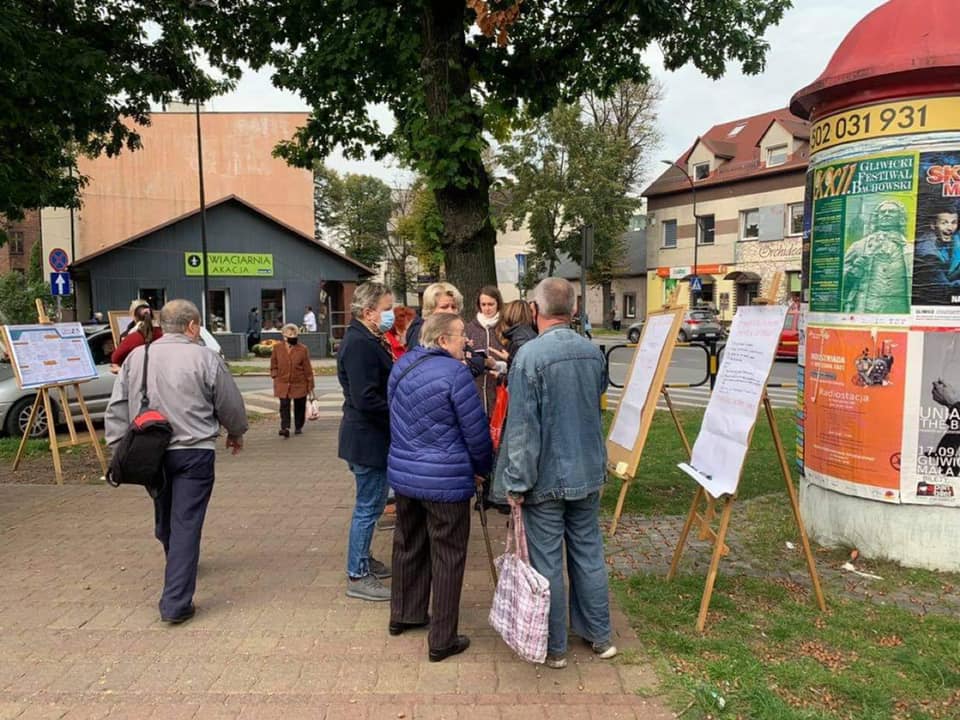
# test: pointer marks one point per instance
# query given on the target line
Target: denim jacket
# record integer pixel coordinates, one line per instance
(553, 446)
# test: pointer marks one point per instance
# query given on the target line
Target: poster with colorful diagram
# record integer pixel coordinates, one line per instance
(853, 410)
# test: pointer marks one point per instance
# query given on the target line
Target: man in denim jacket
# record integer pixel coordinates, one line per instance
(553, 462)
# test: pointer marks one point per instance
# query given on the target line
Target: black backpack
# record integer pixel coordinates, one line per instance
(138, 457)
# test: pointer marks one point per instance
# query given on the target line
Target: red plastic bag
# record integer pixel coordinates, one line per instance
(498, 417)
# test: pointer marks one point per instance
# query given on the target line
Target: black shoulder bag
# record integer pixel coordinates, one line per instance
(138, 457)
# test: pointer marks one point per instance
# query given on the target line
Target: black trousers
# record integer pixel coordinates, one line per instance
(299, 412)
(179, 512)
(429, 555)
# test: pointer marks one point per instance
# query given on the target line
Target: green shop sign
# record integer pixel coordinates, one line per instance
(230, 264)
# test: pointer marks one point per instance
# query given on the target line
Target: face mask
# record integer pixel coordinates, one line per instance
(293, 340)
(387, 319)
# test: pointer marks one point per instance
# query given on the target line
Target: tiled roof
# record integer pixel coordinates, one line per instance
(740, 150)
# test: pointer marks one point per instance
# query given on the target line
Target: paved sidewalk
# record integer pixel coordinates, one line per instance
(274, 636)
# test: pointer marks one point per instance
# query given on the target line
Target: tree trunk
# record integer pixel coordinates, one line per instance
(468, 235)
(606, 288)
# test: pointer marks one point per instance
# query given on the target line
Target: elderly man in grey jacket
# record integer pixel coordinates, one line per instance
(191, 385)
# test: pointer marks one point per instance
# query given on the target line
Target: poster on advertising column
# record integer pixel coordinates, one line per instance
(931, 433)
(853, 408)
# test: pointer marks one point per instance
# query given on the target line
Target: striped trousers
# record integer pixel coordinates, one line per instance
(429, 554)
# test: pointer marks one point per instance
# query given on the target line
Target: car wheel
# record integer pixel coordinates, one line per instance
(683, 336)
(633, 336)
(19, 415)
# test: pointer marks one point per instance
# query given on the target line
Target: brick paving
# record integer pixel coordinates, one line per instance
(274, 635)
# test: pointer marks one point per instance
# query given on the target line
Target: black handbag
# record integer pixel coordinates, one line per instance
(138, 457)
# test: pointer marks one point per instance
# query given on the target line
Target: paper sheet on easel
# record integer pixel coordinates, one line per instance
(636, 391)
(721, 446)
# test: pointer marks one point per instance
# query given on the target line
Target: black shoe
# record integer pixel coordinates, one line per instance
(298, 431)
(189, 613)
(459, 645)
(398, 628)
(284, 433)
(503, 509)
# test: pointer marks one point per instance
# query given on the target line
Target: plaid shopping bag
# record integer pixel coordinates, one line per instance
(521, 603)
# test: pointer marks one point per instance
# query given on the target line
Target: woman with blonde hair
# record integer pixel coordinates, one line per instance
(440, 297)
(292, 376)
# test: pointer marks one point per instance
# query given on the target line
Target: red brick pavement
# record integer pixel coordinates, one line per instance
(274, 635)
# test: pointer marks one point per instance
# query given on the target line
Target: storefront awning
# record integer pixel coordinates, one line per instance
(742, 277)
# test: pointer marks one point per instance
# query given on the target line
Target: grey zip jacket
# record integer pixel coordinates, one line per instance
(189, 383)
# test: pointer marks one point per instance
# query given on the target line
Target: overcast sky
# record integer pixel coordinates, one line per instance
(800, 48)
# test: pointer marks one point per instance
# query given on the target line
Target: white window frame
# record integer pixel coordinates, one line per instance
(226, 307)
(789, 229)
(700, 236)
(663, 239)
(629, 301)
(696, 171)
(774, 151)
(744, 223)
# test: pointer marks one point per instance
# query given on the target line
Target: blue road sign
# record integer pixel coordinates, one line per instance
(696, 284)
(60, 283)
(59, 259)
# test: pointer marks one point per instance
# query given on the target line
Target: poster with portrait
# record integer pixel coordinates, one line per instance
(936, 263)
(853, 409)
(930, 473)
(864, 219)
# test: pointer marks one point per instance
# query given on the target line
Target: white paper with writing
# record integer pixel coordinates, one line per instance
(721, 446)
(636, 392)
(50, 354)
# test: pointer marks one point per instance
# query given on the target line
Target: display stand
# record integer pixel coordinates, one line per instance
(43, 398)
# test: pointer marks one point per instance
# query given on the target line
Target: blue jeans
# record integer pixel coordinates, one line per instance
(548, 524)
(371, 499)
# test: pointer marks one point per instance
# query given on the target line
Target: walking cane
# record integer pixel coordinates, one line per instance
(486, 532)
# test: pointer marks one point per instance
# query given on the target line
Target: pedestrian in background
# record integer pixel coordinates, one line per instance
(440, 443)
(363, 367)
(552, 462)
(253, 328)
(192, 387)
(483, 331)
(292, 375)
(309, 320)
(140, 331)
(397, 335)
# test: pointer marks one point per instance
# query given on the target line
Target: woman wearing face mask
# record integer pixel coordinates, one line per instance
(363, 367)
(292, 376)
(140, 332)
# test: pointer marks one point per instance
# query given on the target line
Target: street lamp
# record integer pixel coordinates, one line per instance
(696, 224)
(205, 314)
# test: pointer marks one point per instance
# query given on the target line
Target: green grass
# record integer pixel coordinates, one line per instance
(662, 489)
(770, 655)
(36, 448)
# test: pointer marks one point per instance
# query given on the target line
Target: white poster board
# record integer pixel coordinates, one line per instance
(721, 446)
(49, 354)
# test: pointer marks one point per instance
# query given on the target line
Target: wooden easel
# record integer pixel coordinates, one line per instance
(719, 537)
(43, 397)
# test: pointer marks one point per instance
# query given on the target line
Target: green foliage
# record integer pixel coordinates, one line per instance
(422, 228)
(76, 77)
(18, 291)
(355, 210)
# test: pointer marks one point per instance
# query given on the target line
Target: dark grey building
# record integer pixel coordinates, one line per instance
(254, 260)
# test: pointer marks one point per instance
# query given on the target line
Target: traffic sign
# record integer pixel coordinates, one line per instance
(696, 284)
(60, 283)
(58, 259)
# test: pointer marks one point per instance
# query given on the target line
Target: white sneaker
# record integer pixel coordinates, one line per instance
(557, 662)
(605, 651)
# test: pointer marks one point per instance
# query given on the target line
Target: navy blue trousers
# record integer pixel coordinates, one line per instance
(180, 510)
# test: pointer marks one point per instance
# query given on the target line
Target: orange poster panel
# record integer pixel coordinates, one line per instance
(854, 395)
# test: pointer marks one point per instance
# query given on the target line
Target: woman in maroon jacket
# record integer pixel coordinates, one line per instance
(140, 332)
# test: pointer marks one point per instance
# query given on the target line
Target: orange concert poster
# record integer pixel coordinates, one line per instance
(854, 396)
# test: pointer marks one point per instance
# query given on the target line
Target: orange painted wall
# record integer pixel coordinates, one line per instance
(136, 191)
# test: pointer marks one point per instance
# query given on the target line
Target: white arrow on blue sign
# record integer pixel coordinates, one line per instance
(696, 284)
(60, 283)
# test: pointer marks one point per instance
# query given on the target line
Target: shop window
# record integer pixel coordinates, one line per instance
(701, 171)
(218, 310)
(271, 309)
(669, 233)
(750, 224)
(629, 305)
(705, 227)
(795, 219)
(15, 241)
(155, 296)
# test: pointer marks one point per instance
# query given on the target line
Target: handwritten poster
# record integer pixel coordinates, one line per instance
(636, 393)
(721, 446)
(50, 354)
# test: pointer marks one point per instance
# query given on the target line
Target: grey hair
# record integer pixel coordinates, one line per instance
(176, 315)
(290, 328)
(367, 297)
(435, 326)
(555, 297)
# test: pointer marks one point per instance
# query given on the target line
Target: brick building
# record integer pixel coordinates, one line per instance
(22, 235)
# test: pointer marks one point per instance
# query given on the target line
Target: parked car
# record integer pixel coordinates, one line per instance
(700, 324)
(633, 332)
(789, 336)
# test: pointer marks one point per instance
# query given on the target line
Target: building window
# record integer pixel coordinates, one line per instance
(701, 171)
(218, 302)
(776, 155)
(750, 224)
(705, 227)
(15, 240)
(795, 219)
(706, 294)
(271, 309)
(629, 305)
(155, 297)
(669, 233)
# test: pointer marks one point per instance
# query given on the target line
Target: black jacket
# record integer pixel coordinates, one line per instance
(363, 367)
(413, 333)
(517, 336)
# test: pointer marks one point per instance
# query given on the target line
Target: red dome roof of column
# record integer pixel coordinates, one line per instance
(903, 48)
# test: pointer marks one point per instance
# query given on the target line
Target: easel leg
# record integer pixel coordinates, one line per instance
(65, 404)
(714, 564)
(682, 541)
(620, 500)
(93, 434)
(52, 432)
(26, 432)
(676, 422)
(794, 503)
